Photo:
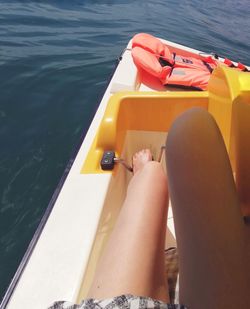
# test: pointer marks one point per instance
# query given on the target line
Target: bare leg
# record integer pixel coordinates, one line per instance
(133, 260)
(213, 252)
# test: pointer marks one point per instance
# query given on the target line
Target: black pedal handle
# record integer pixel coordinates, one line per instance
(107, 161)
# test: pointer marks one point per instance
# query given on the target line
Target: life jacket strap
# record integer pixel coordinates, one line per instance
(210, 69)
(164, 62)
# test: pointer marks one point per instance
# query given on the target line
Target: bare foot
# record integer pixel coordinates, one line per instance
(140, 158)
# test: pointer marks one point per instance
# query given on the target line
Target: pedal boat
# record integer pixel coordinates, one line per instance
(135, 112)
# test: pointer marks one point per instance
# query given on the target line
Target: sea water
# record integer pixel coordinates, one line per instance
(55, 60)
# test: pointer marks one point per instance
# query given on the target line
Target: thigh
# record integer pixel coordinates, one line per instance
(210, 231)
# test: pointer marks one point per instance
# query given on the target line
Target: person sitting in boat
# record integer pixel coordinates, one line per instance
(213, 241)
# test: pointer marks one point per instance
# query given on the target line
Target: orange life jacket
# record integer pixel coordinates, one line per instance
(151, 55)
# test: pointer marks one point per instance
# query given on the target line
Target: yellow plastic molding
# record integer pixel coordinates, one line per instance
(145, 111)
(225, 85)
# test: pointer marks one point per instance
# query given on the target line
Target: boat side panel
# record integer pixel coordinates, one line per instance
(57, 265)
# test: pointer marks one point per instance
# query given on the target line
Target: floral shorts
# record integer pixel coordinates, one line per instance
(136, 302)
(119, 302)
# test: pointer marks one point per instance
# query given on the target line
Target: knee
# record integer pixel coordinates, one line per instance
(154, 171)
(194, 122)
(150, 179)
(193, 127)
(187, 119)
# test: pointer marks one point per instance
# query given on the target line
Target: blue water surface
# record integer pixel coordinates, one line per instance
(55, 60)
